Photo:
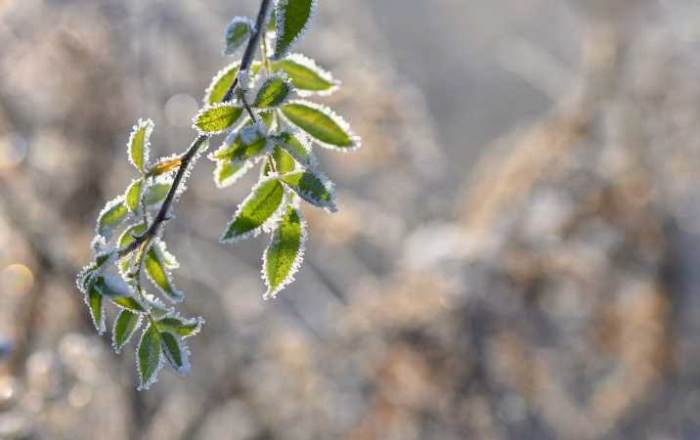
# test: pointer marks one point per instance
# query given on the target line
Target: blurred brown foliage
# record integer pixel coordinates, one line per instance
(553, 295)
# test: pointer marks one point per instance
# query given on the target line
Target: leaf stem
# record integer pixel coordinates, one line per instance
(187, 157)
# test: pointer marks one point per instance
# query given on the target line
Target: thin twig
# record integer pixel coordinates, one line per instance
(194, 148)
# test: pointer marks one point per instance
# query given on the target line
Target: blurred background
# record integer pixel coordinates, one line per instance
(516, 255)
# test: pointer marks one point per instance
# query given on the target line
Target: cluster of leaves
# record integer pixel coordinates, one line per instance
(259, 105)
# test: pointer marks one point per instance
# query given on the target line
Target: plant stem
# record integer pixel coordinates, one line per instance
(187, 157)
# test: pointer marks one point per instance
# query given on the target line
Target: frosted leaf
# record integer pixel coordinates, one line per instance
(128, 303)
(217, 118)
(164, 165)
(176, 353)
(283, 162)
(125, 325)
(227, 172)
(114, 212)
(159, 274)
(169, 259)
(89, 273)
(293, 18)
(257, 212)
(94, 300)
(139, 144)
(272, 92)
(323, 125)
(306, 76)
(298, 146)
(237, 34)
(312, 186)
(285, 253)
(156, 192)
(132, 196)
(125, 239)
(149, 357)
(180, 326)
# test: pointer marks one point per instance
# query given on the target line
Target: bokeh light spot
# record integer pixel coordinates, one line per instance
(179, 110)
(16, 279)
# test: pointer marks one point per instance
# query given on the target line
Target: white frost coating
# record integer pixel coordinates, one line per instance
(356, 141)
(324, 74)
(148, 125)
(186, 367)
(166, 257)
(244, 80)
(250, 134)
(272, 293)
(116, 286)
(228, 50)
(118, 348)
(280, 9)
(268, 225)
(109, 229)
(219, 75)
(154, 378)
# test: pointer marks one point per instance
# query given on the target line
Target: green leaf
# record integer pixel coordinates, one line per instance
(284, 162)
(293, 18)
(159, 275)
(114, 212)
(181, 327)
(220, 84)
(217, 118)
(285, 253)
(306, 76)
(132, 197)
(93, 299)
(128, 303)
(139, 143)
(255, 212)
(272, 92)
(323, 125)
(175, 352)
(125, 325)
(88, 274)
(227, 172)
(125, 239)
(237, 34)
(298, 146)
(148, 359)
(156, 193)
(313, 187)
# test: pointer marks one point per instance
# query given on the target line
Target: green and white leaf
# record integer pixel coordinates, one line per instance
(284, 162)
(323, 125)
(94, 300)
(176, 352)
(257, 212)
(285, 253)
(128, 303)
(293, 19)
(312, 186)
(180, 326)
(306, 76)
(272, 91)
(132, 197)
(159, 274)
(125, 325)
(157, 191)
(111, 216)
(139, 144)
(217, 118)
(298, 146)
(237, 34)
(149, 359)
(89, 273)
(227, 172)
(241, 146)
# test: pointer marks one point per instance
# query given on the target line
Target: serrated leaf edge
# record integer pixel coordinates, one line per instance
(296, 265)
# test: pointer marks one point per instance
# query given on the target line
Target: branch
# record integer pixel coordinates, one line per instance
(195, 146)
